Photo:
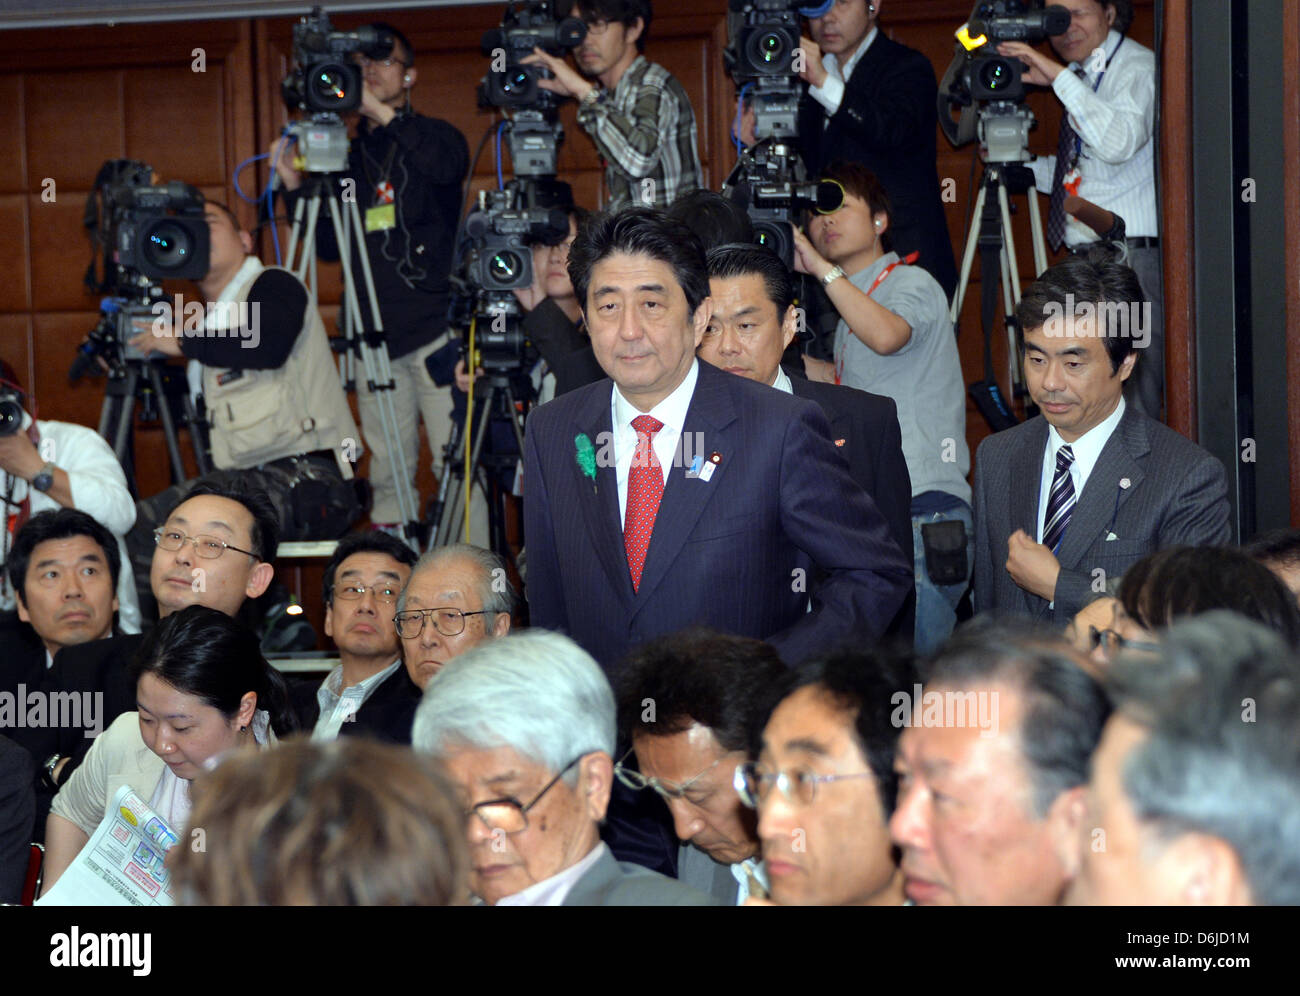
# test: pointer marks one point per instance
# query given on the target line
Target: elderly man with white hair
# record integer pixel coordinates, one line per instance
(525, 727)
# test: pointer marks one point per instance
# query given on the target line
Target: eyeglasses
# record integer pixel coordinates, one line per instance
(753, 784)
(597, 27)
(351, 592)
(508, 814)
(1111, 642)
(447, 621)
(207, 547)
(669, 790)
(388, 63)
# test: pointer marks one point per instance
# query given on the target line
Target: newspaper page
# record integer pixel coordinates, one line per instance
(123, 863)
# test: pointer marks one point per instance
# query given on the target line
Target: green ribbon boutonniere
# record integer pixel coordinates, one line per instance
(586, 456)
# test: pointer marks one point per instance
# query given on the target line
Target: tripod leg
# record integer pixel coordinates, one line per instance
(169, 427)
(1009, 321)
(1008, 238)
(967, 257)
(1036, 233)
(126, 411)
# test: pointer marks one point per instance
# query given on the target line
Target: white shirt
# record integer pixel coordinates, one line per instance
(831, 92)
(1086, 449)
(98, 488)
(553, 891)
(339, 705)
(738, 872)
(782, 381)
(220, 315)
(671, 412)
(1116, 125)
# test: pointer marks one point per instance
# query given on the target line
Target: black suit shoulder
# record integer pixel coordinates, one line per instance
(837, 399)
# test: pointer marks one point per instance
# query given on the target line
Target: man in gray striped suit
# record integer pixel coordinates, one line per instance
(1090, 486)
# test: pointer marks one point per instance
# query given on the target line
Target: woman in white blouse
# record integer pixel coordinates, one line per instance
(202, 688)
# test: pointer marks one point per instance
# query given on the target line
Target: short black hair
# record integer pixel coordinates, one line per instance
(715, 220)
(865, 683)
(1278, 546)
(408, 52)
(371, 541)
(1064, 709)
(640, 231)
(1183, 581)
(726, 683)
(233, 486)
(623, 12)
(234, 218)
(1123, 14)
(57, 524)
(1094, 278)
(730, 261)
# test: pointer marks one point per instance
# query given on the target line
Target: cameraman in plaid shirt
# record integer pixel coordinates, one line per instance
(636, 112)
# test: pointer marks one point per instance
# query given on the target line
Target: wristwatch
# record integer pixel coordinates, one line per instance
(590, 97)
(44, 480)
(47, 770)
(833, 274)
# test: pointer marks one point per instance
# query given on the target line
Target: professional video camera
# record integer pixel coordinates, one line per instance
(526, 24)
(143, 233)
(324, 83)
(980, 80)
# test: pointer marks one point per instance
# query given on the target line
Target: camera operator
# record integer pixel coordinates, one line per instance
(1105, 153)
(553, 322)
(47, 465)
(271, 391)
(639, 116)
(873, 101)
(408, 171)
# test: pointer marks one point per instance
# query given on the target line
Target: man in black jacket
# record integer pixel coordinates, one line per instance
(754, 320)
(369, 693)
(873, 101)
(407, 172)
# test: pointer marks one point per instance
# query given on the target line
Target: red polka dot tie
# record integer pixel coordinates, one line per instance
(645, 486)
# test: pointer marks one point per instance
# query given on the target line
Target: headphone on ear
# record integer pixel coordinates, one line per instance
(877, 223)
(407, 78)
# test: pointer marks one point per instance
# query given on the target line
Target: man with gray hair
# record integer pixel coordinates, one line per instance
(525, 727)
(457, 596)
(1194, 797)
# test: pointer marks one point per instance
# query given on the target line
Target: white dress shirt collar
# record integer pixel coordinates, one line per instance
(832, 63)
(1112, 42)
(671, 411)
(554, 890)
(1087, 448)
(339, 705)
(782, 381)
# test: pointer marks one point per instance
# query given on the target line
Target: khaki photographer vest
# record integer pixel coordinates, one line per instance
(262, 415)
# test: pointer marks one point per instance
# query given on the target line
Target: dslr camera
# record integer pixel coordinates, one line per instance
(526, 24)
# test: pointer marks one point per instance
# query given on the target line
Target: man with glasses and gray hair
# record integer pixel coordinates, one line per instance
(369, 692)
(457, 596)
(524, 726)
(694, 704)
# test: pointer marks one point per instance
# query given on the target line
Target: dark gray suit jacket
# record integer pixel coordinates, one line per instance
(615, 883)
(1176, 494)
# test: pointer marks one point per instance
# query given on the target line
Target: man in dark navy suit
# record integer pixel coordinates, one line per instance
(873, 101)
(677, 495)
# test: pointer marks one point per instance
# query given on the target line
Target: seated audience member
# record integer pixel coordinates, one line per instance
(369, 693)
(753, 322)
(348, 823)
(716, 220)
(1279, 551)
(275, 406)
(1196, 804)
(457, 596)
(894, 338)
(215, 550)
(202, 688)
(1186, 581)
(992, 770)
(49, 465)
(694, 704)
(524, 726)
(17, 812)
(828, 751)
(1091, 486)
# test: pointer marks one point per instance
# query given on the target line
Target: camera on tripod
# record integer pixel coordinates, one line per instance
(980, 75)
(501, 258)
(526, 24)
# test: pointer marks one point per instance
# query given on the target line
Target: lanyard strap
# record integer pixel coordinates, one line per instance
(907, 260)
(1078, 140)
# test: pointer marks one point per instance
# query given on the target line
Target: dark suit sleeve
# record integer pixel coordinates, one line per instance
(895, 115)
(893, 482)
(543, 585)
(982, 582)
(832, 520)
(17, 815)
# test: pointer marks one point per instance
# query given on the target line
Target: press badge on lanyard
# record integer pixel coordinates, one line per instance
(383, 215)
(907, 260)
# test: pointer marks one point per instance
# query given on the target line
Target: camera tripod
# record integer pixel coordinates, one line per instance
(153, 387)
(376, 366)
(1004, 148)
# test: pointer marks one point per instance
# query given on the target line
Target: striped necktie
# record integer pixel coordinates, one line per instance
(1060, 503)
(1065, 152)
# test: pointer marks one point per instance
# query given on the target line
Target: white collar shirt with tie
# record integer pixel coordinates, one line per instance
(1087, 450)
(671, 412)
